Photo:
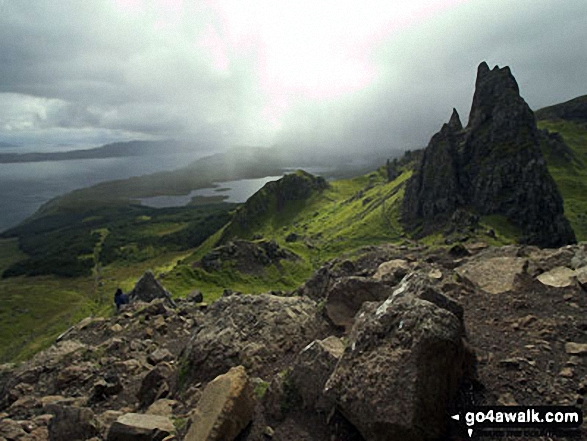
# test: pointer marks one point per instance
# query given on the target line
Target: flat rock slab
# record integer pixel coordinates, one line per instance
(572, 348)
(140, 427)
(226, 407)
(495, 275)
(559, 277)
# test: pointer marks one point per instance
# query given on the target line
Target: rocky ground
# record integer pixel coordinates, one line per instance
(382, 345)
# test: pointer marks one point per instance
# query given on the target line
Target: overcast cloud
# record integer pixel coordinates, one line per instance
(339, 75)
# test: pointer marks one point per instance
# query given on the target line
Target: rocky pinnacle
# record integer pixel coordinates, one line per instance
(492, 166)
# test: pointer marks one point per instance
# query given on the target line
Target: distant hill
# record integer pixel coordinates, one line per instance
(115, 150)
(7, 144)
(574, 110)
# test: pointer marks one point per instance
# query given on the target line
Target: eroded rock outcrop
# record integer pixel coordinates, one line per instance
(246, 257)
(493, 166)
(148, 289)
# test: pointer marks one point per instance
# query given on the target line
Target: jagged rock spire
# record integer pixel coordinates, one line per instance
(455, 121)
(495, 166)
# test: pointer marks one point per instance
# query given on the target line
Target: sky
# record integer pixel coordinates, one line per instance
(310, 75)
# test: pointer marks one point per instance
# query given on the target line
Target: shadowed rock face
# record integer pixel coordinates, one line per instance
(493, 166)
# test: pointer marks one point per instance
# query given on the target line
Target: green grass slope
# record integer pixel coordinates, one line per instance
(571, 175)
(345, 216)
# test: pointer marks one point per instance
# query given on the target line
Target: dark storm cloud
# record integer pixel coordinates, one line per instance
(75, 65)
(430, 69)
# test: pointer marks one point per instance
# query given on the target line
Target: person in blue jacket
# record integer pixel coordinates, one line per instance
(120, 299)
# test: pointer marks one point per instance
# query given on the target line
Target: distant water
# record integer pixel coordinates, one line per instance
(24, 187)
(236, 191)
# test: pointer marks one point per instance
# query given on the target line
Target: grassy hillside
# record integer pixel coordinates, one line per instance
(58, 269)
(348, 215)
(571, 175)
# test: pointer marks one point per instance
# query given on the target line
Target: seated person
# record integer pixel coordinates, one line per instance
(120, 299)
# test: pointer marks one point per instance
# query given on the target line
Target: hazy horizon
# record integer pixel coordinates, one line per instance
(341, 77)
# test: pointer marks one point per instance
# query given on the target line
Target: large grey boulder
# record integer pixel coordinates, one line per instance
(226, 408)
(249, 330)
(402, 366)
(148, 289)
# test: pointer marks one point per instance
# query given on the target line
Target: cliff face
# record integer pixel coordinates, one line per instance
(492, 166)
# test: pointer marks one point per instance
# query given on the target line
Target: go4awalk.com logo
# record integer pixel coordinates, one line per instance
(501, 421)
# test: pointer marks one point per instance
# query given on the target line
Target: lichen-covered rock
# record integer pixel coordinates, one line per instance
(581, 274)
(11, 430)
(225, 408)
(558, 277)
(405, 359)
(249, 330)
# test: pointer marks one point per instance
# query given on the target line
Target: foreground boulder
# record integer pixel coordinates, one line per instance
(226, 407)
(405, 358)
(148, 289)
(559, 277)
(249, 330)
